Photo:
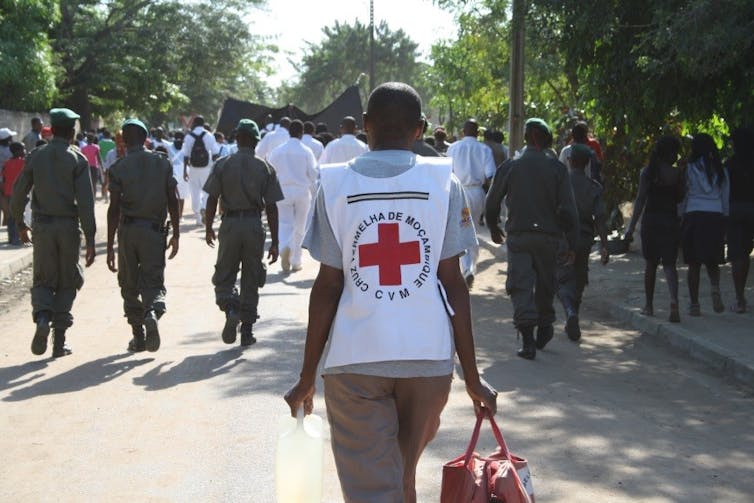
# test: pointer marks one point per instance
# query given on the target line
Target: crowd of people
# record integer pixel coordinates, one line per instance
(391, 214)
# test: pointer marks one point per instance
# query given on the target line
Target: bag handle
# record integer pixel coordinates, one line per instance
(503, 448)
(475, 437)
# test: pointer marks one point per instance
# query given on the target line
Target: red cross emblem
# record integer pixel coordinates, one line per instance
(389, 254)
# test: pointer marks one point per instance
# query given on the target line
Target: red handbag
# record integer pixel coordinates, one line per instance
(497, 478)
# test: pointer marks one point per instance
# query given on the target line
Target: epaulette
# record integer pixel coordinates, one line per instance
(117, 161)
(77, 151)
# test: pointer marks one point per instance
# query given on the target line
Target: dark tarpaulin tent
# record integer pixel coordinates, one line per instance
(348, 103)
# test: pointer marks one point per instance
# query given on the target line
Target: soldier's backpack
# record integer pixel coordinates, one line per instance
(199, 155)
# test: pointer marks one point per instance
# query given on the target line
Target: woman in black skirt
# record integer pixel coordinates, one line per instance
(705, 209)
(661, 190)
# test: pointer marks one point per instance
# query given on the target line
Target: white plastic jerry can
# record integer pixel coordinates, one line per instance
(299, 459)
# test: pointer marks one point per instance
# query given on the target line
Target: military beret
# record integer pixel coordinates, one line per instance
(250, 127)
(135, 122)
(580, 150)
(63, 117)
(538, 123)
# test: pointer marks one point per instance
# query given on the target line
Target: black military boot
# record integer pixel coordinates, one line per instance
(232, 318)
(138, 343)
(39, 342)
(544, 335)
(247, 337)
(529, 350)
(152, 342)
(59, 347)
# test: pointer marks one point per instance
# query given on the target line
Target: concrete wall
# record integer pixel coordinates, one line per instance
(20, 121)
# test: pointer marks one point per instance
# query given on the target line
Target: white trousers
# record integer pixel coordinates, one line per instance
(293, 214)
(475, 196)
(182, 186)
(197, 179)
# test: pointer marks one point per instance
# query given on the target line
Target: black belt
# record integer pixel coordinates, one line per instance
(535, 233)
(241, 214)
(48, 219)
(145, 222)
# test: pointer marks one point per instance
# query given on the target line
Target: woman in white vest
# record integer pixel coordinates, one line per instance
(389, 306)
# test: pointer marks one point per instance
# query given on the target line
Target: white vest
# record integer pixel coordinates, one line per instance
(391, 232)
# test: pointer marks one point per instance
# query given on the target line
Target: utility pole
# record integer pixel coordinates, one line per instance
(516, 114)
(371, 45)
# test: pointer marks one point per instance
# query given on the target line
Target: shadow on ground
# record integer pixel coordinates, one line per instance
(582, 396)
(79, 378)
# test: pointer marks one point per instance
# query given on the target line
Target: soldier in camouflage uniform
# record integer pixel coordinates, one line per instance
(572, 279)
(540, 203)
(62, 198)
(247, 185)
(142, 192)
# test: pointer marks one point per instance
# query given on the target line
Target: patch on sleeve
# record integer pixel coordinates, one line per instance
(465, 217)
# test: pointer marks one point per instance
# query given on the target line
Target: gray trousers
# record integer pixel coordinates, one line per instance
(141, 270)
(241, 245)
(573, 279)
(531, 281)
(379, 428)
(56, 269)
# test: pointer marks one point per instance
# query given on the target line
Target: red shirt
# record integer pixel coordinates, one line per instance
(11, 170)
(91, 151)
(595, 145)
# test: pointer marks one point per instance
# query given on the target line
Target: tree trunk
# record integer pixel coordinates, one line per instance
(81, 105)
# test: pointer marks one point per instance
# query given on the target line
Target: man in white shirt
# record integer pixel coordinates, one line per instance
(159, 139)
(33, 136)
(222, 145)
(273, 139)
(473, 164)
(296, 170)
(197, 176)
(308, 139)
(269, 125)
(175, 154)
(346, 147)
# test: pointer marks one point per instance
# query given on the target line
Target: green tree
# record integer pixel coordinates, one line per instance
(342, 58)
(634, 69)
(27, 71)
(646, 67)
(471, 73)
(153, 57)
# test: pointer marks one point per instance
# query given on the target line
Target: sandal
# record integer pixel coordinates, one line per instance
(647, 311)
(695, 310)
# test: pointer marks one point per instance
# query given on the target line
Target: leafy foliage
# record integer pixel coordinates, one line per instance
(635, 69)
(342, 58)
(27, 72)
(471, 73)
(653, 67)
(151, 57)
